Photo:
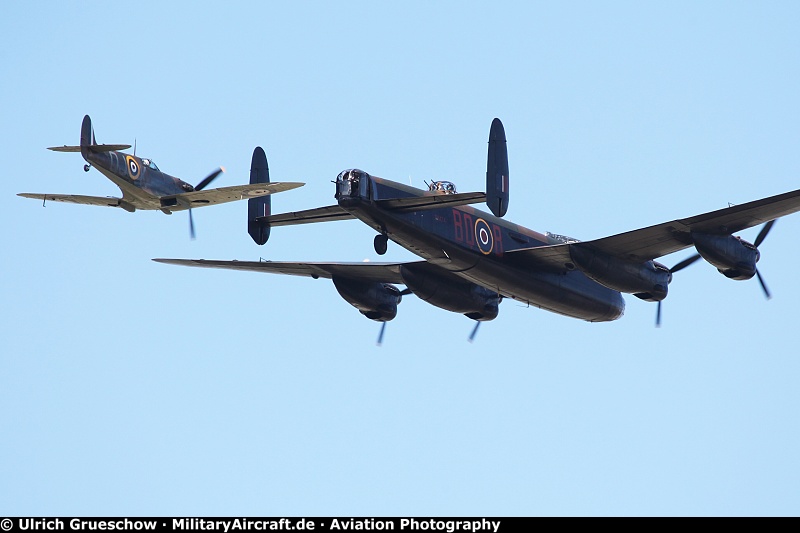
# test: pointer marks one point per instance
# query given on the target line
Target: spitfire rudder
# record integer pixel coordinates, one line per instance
(258, 227)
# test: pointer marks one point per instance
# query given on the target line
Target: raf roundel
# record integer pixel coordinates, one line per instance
(483, 236)
(133, 167)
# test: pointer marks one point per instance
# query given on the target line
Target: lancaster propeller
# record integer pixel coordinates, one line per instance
(693, 258)
(678, 267)
(759, 239)
(474, 331)
(380, 335)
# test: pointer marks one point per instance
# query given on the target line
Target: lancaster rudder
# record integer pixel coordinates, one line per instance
(497, 170)
(258, 208)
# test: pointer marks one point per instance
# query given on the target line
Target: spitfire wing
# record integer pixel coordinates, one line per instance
(380, 272)
(109, 201)
(230, 194)
(663, 239)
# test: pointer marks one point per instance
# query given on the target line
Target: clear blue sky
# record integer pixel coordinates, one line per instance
(130, 387)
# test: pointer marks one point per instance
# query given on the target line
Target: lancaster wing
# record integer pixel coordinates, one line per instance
(663, 239)
(366, 271)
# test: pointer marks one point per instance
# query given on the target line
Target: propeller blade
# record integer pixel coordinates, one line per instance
(380, 335)
(763, 285)
(208, 179)
(474, 331)
(685, 263)
(763, 233)
(658, 315)
(191, 225)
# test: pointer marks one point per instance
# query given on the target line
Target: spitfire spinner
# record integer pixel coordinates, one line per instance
(144, 186)
(472, 259)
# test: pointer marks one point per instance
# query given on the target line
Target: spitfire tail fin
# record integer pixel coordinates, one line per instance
(258, 227)
(497, 170)
(88, 142)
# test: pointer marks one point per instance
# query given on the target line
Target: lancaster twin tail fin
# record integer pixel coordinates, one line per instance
(497, 170)
(258, 209)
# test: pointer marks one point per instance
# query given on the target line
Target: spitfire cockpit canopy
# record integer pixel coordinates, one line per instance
(442, 187)
(149, 163)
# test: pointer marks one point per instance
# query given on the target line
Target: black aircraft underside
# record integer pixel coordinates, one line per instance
(567, 293)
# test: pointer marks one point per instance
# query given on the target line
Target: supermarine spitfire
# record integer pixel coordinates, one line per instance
(144, 186)
(472, 259)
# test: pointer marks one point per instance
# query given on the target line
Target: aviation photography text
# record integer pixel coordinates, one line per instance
(230, 525)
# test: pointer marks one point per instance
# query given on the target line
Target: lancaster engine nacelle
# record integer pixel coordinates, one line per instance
(469, 299)
(376, 301)
(734, 258)
(647, 280)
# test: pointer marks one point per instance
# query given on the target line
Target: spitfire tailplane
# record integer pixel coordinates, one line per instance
(258, 209)
(88, 142)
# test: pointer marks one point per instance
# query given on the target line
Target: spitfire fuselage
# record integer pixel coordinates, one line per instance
(139, 178)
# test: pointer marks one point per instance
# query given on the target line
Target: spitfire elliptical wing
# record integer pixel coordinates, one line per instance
(108, 201)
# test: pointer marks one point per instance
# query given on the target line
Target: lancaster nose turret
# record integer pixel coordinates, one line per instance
(352, 185)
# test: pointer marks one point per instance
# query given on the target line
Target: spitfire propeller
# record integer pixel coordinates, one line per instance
(199, 187)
